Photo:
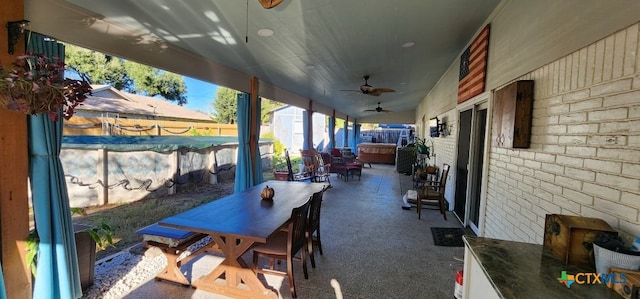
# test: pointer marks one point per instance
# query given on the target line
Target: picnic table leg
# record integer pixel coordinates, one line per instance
(235, 271)
(172, 271)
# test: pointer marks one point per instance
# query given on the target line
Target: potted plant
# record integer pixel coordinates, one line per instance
(34, 84)
(87, 238)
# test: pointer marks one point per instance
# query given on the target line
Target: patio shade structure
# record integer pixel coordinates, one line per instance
(57, 273)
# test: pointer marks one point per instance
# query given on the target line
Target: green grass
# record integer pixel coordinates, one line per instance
(125, 219)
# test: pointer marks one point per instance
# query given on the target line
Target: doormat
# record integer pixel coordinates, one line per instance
(448, 236)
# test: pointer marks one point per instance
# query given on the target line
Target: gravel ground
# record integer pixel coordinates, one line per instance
(116, 275)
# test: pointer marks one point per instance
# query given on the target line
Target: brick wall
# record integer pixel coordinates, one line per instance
(584, 157)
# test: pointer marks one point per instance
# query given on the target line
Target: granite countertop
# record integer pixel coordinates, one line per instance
(524, 270)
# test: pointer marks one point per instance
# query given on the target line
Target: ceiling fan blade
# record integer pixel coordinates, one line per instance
(269, 3)
(386, 111)
(350, 90)
(370, 110)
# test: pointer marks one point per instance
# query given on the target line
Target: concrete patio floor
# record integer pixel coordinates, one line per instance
(372, 249)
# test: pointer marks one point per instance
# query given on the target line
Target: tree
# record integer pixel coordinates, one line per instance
(225, 105)
(122, 74)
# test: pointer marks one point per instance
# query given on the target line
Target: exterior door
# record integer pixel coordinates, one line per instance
(462, 164)
(477, 162)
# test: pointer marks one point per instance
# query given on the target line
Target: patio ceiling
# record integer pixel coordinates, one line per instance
(318, 48)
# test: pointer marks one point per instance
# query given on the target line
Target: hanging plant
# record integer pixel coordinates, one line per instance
(34, 84)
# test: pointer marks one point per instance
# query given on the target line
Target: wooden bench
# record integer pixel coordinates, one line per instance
(173, 243)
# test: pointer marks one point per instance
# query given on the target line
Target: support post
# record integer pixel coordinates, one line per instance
(14, 202)
(254, 120)
(309, 131)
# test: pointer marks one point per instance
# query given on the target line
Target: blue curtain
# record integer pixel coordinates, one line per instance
(346, 134)
(257, 167)
(3, 290)
(332, 133)
(244, 175)
(247, 174)
(57, 275)
(305, 129)
(356, 137)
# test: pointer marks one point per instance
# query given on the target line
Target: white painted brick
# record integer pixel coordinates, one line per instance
(572, 139)
(532, 164)
(536, 131)
(631, 50)
(581, 151)
(568, 182)
(607, 69)
(582, 128)
(550, 148)
(552, 167)
(529, 215)
(570, 161)
(572, 118)
(611, 87)
(582, 68)
(618, 181)
(613, 127)
(550, 208)
(552, 101)
(591, 212)
(527, 155)
(636, 80)
(546, 120)
(630, 199)
(591, 57)
(599, 165)
(566, 204)
(601, 191)
(525, 187)
(548, 139)
(531, 180)
(526, 171)
(581, 174)
(558, 109)
(514, 204)
(544, 157)
(607, 140)
(619, 154)
(505, 158)
(575, 69)
(623, 99)
(634, 141)
(631, 169)
(618, 54)
(512, 167)
(610, 114)
(545, 176)
(617, 209)
(517, 161)
(551, 187)
(557, 129)
(562, 72)
(634, 112)
(599, 62)
(576, 96)
(586, 105)
(577, 196)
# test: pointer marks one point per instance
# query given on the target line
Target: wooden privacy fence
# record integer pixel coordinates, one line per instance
(79, 125)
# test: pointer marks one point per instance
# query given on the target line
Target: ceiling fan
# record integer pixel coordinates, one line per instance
(370, 90)
(378, 109)
(269, 3)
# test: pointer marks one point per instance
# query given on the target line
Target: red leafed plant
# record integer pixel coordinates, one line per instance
(34, 84)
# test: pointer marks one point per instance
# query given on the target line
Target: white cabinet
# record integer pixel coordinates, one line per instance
(476, 284)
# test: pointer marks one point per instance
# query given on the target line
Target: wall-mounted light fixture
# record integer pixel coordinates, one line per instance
(14, 31)
(436, 127)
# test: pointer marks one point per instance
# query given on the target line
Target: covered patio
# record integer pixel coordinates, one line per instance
(384, 252)
(582, 158)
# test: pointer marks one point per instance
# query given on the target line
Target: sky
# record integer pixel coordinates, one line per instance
(200, 94)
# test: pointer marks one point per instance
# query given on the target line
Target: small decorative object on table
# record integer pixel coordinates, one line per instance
(267, 193)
